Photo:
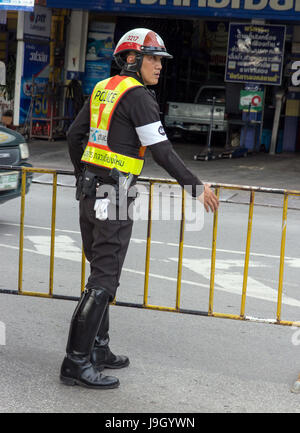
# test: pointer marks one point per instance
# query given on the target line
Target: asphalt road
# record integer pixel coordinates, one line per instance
(179, 362)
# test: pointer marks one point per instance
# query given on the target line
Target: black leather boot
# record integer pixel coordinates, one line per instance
(101, 356)
(77, 368)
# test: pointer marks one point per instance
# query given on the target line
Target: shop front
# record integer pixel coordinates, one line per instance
(203, 37)
(8, 54)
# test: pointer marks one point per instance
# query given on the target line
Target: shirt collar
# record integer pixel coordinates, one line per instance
(131, 74)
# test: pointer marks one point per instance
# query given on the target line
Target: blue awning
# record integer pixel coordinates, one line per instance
(245, 9)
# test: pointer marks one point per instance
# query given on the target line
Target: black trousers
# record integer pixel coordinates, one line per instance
(105, 244)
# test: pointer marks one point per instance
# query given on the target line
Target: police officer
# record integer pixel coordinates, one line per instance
(122, 119)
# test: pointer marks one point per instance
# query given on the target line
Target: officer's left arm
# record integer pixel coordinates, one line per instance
(151, 134)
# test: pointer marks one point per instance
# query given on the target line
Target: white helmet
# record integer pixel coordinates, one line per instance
(143, 42)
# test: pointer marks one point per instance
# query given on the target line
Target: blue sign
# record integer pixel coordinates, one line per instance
(263, 9)
(22, 5)
(36, 70)
(255, 53)
(95, 71)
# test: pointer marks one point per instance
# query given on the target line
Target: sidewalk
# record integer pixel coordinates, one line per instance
(263, 170)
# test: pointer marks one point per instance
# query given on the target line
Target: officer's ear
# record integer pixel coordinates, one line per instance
(130, 58)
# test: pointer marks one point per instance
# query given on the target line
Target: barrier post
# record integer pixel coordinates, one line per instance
(282, 252)
(52, 245)
(21, 235)
(247, 255)
(149, 231)
(213, 258)
(181, 240)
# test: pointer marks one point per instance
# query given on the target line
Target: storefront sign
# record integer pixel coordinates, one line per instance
(21, 5)
(264, 9)
(255, 53)
(99, 53)
(36, 65)
(38, 23)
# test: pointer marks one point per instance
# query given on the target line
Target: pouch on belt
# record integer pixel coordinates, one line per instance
(89, 184)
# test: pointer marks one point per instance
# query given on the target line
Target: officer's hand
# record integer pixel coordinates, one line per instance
(209, 199)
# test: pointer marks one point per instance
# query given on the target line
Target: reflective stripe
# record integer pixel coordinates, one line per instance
(105, 98)
(104, 158)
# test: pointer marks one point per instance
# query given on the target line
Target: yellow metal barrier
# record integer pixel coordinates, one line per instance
(177, 309)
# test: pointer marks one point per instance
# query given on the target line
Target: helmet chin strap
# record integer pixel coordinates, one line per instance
(135, 66)
(141, 78)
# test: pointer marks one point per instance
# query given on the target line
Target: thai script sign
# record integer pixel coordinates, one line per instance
(255, 53)
(276, 9)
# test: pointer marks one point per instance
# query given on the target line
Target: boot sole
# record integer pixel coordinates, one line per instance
(72, 382)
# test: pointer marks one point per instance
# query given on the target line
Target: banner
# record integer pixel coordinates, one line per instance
(36, 65)
(21, 5)
(263, 9)
(255, 53)
(99, 53)
(36, 69)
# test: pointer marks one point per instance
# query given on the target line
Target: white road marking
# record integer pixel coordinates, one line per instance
(76, 257)
(170, 244)
(65, 247)
(39, 227)
(229, 280)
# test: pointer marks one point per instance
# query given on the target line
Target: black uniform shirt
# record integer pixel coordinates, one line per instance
(135, 122)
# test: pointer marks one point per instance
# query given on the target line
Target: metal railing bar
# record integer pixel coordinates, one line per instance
(259, 205)
(163, 180)
(158, 308)
(36, 169)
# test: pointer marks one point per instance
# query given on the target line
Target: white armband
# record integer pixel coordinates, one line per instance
(151, 133)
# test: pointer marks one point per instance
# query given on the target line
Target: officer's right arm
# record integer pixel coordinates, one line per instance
(76, 135)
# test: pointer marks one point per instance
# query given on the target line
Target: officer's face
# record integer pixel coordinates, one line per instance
(150, 69)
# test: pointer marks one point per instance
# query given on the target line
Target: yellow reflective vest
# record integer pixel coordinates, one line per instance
(104, 100)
